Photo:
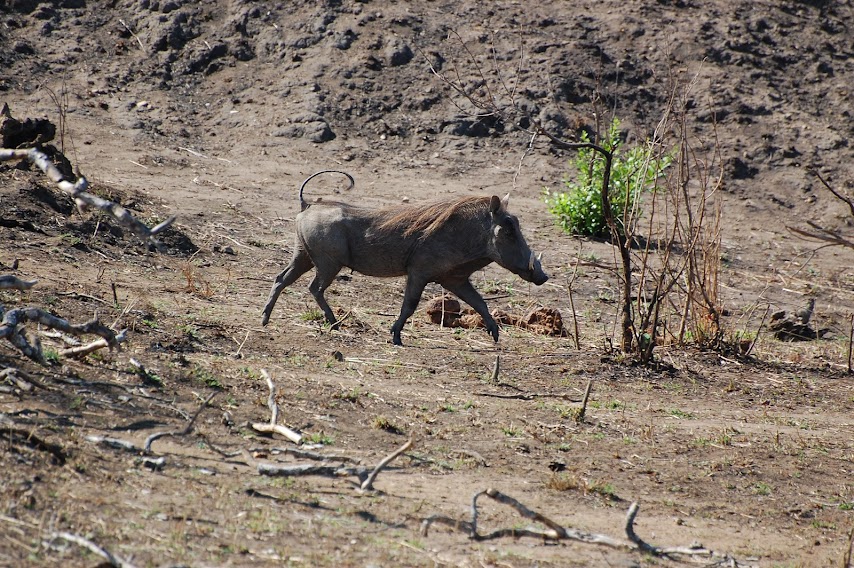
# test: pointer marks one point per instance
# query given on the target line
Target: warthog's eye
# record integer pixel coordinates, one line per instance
(509, 227)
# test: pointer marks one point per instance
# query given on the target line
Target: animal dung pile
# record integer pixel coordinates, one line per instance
(446, 311)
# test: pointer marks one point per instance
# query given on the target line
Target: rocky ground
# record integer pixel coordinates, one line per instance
(215, 111)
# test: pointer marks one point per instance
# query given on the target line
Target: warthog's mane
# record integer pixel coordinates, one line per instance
(424, 220)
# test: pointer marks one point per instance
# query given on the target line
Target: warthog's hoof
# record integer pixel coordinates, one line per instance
(395, 338)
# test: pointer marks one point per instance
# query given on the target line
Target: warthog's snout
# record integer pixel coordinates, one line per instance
(535, 270)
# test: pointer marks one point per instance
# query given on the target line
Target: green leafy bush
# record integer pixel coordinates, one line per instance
(579, 209)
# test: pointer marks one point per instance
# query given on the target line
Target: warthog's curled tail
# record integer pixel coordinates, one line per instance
(302, 204)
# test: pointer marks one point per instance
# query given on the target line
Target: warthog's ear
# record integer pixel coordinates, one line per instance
(494, 204)
(505, 201)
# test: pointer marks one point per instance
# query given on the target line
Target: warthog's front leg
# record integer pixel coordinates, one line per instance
(467, 293)
(411, 297)
(300, 264)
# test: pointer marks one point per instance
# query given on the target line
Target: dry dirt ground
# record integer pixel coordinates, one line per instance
(216, 110)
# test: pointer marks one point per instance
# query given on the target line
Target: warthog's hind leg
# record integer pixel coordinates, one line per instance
(411, 297)
(300, 264)
(322, 279)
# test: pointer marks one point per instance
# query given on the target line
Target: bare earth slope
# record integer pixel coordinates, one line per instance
(216, 110)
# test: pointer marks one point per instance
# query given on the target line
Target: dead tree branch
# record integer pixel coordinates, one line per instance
(10, 328)
(831, 238)
(820, 234)
(85, 200)
(111, 558)
(555, 531)
(368, 484)
(186, 430)
(272, 426)
(366, 475)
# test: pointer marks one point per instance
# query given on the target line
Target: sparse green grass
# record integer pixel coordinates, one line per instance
(602, 488)
(382, 423)
(512, 431)
(352, 395)
(206, 377)
(51, 356)
(318, 438)
(190, 331)
(313, 314)
(675, 412)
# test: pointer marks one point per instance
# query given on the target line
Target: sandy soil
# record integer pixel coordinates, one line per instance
(215, 111)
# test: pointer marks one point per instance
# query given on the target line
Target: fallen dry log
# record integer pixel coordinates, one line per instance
(555, 531)
(85, 200)
(12, 330)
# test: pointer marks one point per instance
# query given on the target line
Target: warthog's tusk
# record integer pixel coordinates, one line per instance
(540, 257)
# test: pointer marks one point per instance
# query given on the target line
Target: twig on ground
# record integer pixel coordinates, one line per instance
(136, 37)
(9, 429)
(530, 395)
(368, 484)
(186, 430)
(555, 532)
(272, 426)
(315, 456)
(366, 475)
(583, 410)
(495, 369)
(19, 378)
(111, 558)
(851, 344)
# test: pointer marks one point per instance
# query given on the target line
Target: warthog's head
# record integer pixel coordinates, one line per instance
(508, 247)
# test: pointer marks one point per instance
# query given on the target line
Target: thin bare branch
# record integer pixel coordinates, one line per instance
(111, 558)
(186, 430)
(368, 484)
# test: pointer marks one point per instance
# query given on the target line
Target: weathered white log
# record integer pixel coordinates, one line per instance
(83, 199)
(271, 427)
(83, 350)
(10, 329)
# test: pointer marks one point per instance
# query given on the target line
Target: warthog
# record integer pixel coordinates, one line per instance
(443, 242)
